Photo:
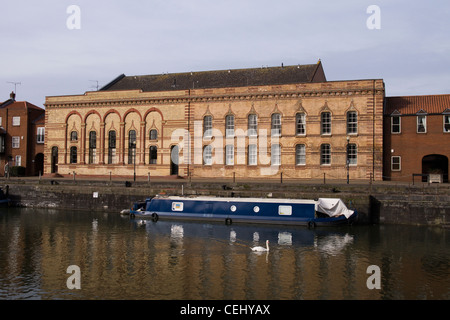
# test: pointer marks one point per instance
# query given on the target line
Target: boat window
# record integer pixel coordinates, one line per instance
(285, 210)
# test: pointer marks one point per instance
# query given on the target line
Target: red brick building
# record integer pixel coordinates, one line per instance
(417, 137)
(22, 133)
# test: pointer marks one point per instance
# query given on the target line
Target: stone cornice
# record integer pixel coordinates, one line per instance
(224, 97)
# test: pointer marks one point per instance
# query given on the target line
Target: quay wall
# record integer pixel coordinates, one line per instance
(376, 204)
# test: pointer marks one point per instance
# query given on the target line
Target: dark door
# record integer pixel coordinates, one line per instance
(54, 162)
(435, 163)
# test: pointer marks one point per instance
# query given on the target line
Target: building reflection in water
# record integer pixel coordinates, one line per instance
(121, 258)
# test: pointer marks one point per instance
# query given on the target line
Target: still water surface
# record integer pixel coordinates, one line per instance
(120, 258)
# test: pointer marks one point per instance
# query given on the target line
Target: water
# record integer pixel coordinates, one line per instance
(119, 258)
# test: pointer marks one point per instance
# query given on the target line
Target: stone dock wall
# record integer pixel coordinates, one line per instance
(376, 203)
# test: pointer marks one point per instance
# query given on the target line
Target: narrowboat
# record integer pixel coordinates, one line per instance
(312, 213)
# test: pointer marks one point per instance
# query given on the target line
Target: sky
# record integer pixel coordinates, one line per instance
(48, 48)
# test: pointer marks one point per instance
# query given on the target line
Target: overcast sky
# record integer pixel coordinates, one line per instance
(410, 51)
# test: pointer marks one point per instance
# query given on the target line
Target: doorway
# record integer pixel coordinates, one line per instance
(435, 163)
(54, 160)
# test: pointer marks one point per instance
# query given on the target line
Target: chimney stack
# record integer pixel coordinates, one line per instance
(13, 96)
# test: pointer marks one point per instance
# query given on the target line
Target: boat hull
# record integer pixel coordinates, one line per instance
(235, 210)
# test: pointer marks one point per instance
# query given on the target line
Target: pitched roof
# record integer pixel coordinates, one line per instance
(411, 105)
(11, 103)
(220, 78)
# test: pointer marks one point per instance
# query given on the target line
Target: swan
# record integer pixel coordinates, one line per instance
(262, 248)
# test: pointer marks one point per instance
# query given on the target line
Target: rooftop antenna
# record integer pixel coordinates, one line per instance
(96, 85)
(15, 85)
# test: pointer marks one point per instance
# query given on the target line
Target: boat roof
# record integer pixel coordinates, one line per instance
(229, 199)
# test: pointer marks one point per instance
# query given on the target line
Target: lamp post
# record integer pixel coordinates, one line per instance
(348, 161)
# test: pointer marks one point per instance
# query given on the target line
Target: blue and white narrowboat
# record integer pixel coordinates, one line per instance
(321, 212)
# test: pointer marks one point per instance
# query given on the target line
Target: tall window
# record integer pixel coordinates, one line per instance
(252, 125)
(229, 155)
(325, 154)
(18, 160)
(40, 135)
(352, 154)
(229, 125)
(207, 155)
(276, 124)
(352, 122)
(207, 126)
(325, 123)
(153, 155)
(111, 147)
(153, 134)
(396, 124)
(92, 146)
(16, 142)
(252, 155)
(73, 155)
(300, 124)
(275, 155)
(131, 146)
(446, 123)
(300, 154)
(421, 124)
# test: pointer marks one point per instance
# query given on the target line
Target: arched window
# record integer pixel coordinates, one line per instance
(73, 155)
(252, 125)
(131, 146)
(325, 123)
(153, 134)
(229, 125)
(74, 136)
(111, 147)
(352, 122)
(276, 124)
(92, 146)
(207, 126)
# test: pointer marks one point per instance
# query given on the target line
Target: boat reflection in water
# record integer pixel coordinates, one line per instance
(329, 241)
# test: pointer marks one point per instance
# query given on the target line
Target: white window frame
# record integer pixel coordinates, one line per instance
(207, 126)
(325, 155)
(16, 121)
(275, 155)
(446, 119)
(252, 125)
(399, 163)
(252, 155)
(40, 135)
(18, 161)
(399, 124)
(229, 125)
(276, 125)
(300, 119)
(300, 155)
(352, 124)
(16, 142)
(424, 123)
(325, 126)
(207, 155)
(352, 154)
(229, 155)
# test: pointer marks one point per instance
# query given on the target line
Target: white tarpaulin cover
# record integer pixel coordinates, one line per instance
(333, 207)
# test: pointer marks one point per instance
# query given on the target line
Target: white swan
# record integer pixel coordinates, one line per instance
(262, 248)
